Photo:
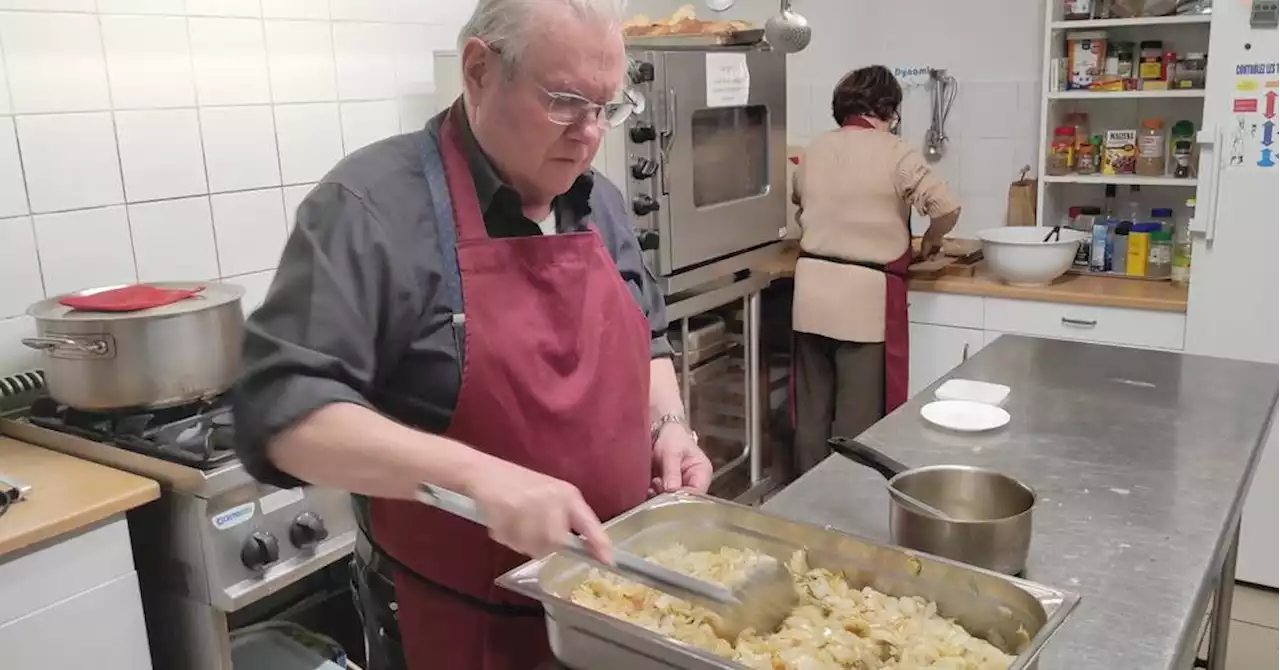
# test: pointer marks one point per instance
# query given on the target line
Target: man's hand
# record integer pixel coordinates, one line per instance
(532, 513)
(678, 462)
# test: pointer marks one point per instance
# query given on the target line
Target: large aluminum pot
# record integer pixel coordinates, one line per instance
(990, 524)
(153, 358)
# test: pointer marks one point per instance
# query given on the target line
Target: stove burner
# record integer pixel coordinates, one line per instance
(200, 434)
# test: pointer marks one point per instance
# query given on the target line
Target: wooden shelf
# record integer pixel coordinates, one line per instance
(1125, 95)
(1192, 19)
(1119, 179)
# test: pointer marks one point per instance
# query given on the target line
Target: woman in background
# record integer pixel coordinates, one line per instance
(855, 189)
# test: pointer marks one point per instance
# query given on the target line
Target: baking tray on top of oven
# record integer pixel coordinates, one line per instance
(739, 38)
(1015, 615)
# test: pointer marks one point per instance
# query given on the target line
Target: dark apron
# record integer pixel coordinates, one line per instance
(555, 378)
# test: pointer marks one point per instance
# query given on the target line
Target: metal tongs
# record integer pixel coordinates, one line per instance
(760, 602)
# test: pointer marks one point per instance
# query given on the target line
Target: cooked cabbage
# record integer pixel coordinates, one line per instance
(834, 626)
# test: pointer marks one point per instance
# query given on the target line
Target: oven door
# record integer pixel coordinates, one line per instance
(724, 175)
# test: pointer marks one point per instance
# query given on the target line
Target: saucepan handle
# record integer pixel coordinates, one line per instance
(863, 455)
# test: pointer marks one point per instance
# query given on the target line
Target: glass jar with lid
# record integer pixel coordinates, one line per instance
(1151, 149)
(1191, 71)
(1060, 160)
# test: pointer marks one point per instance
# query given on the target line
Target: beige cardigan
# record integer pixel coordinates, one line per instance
(855, 188)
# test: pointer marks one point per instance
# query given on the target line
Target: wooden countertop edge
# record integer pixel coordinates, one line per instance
(47, 514)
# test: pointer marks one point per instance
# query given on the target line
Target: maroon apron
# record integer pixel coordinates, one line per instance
(555, 378)
(896, 342)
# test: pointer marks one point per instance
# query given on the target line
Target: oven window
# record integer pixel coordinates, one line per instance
(730, 154)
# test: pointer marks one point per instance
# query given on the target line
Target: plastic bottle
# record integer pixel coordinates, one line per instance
(1133, 208)
(1083, 222)
(1164, 217)
(1098, 247)
(1140, 248)
(1181, 272)
(1160, 257)
(1118, 250)
(1109, 202)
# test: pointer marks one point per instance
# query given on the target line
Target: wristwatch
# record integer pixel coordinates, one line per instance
(679, 419)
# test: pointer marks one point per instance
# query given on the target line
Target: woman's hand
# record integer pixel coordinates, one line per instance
(930, 246)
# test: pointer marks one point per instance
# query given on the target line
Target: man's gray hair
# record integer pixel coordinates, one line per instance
(510, 25)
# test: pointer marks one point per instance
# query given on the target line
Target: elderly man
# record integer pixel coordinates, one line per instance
(467, 306)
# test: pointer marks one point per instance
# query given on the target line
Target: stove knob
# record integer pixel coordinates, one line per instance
(644, 205)
(307, 530)
(642, 73)
(259, 550)
(647, 239)
(643, 132)
(644, 168)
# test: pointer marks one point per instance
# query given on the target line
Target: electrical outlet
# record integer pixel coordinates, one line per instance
(1264, 14)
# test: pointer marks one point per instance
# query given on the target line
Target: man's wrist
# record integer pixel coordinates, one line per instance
(665, 421)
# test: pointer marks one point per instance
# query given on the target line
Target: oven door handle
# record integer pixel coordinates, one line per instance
(668, 136)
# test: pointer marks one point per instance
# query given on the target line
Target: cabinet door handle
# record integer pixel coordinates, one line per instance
(1079, 323)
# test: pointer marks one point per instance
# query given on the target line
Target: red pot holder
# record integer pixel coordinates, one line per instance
(129, 298)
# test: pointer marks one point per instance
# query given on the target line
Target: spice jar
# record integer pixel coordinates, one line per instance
(1151, 62)
(1124, 59)
(1183, 141)
(1077, 10)
(1151, 143)
(1087, 158)
(1191, 71)
(1061, 151)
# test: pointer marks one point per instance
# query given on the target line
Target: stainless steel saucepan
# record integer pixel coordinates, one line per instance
(990, 512)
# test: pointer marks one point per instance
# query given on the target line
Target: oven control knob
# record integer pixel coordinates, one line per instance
(648, 239)
(307, 530)
(642, 73)
(644, 205)
(643, 132)
(644, 168)
(259, 550)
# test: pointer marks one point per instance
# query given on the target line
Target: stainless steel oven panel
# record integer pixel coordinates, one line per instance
(694, 232)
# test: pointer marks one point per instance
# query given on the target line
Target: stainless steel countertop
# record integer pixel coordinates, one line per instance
(1141, 460)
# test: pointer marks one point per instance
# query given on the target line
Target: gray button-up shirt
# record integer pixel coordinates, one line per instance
(356, 312)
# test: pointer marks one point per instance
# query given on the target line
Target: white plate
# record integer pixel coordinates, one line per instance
(967, 389)
(964, 416)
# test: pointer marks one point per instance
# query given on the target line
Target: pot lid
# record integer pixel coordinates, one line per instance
(212, 294)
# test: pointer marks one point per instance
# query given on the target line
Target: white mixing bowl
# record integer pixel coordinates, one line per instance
(1019, 256)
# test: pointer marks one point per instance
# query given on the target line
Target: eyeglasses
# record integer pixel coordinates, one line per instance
(567, 109)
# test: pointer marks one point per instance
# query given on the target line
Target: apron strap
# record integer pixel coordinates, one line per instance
(891, 268)
(442, 208)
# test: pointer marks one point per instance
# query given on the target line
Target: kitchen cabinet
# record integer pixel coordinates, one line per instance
(937, 350)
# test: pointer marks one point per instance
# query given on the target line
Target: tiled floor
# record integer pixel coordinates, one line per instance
(1254, 643)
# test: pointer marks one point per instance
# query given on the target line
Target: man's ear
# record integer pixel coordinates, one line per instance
(479, 67)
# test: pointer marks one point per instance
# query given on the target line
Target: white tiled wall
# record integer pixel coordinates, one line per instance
(147, 140)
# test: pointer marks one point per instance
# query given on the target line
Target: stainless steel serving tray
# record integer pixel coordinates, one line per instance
(748, 37)
(987, 604)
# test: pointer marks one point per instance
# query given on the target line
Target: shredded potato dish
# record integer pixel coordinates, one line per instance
(834, 626)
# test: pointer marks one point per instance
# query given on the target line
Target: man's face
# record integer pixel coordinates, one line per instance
(539, 157)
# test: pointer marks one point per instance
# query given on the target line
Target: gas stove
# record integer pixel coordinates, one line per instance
(200, 435)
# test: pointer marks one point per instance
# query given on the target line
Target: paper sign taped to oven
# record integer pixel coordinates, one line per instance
(728, 80)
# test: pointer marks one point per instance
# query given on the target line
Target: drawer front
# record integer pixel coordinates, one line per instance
(102, 628)
(944, 309)
(72, 565)
(1109, 325)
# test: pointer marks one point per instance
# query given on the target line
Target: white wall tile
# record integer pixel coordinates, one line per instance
(987, 165)
(239, 148)
(412, 48)
(364, 123)
(295, 9)
(49, 5)
(70, 161)
(366, 68)
(149, 60)
(13, 192)
(165, 7)
(415, 111)
(5, 107)
(361, 10)
(85, 249)
(224, 8)
(300, 57)
(230, 60)
(310, 139)
(416, 11)
(250, 228)
(293, 196)
(986, 110)
(160, 154)
(55, 62)
(14, 357)
(173, 240)
(19, 267)
(256, 286)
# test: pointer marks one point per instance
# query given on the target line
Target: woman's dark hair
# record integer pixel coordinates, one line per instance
(868, 91)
